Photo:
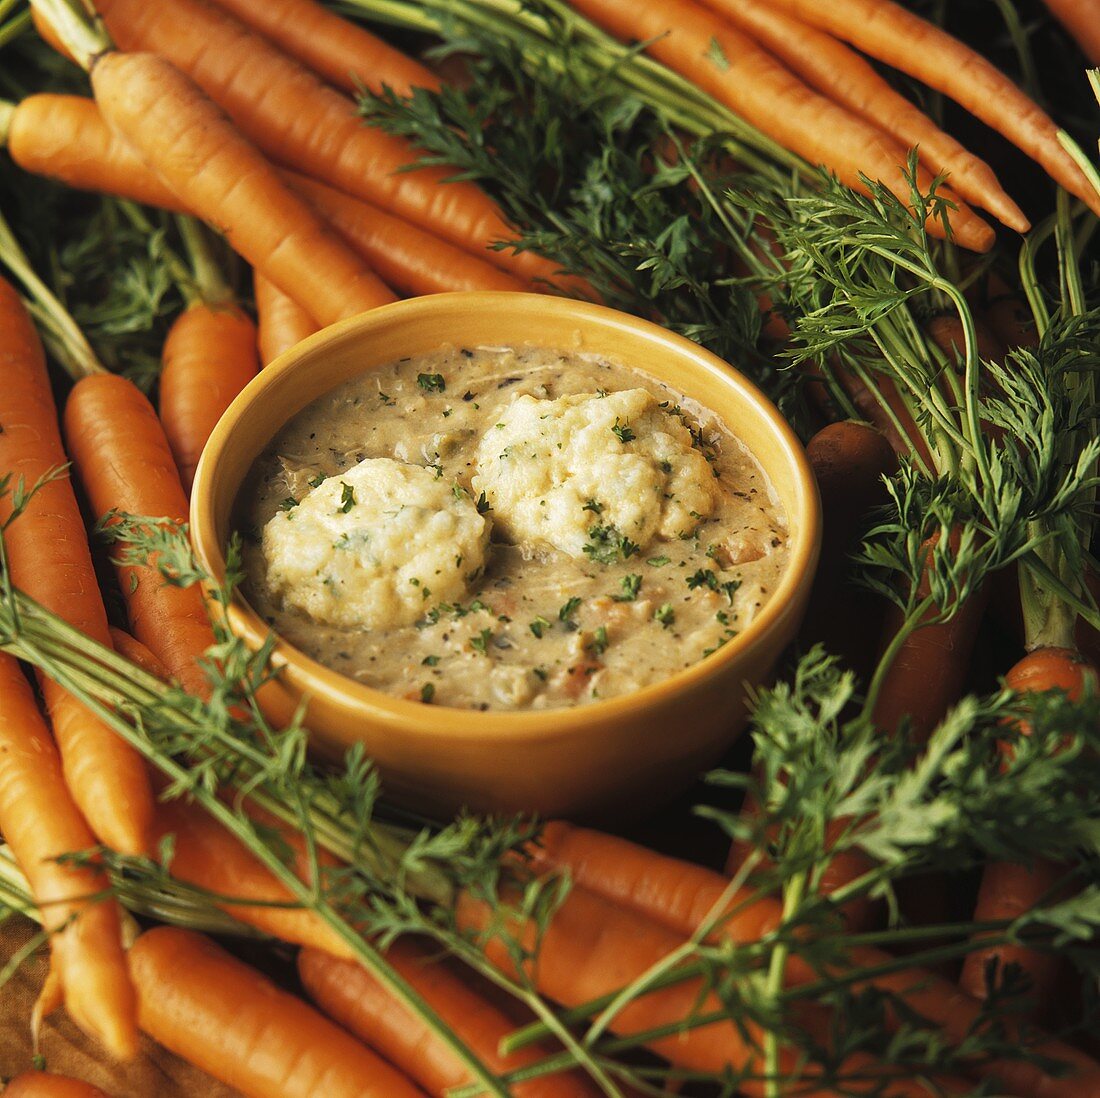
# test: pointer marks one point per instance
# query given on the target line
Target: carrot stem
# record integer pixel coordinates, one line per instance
(14, 28)
(78, 28)
(208, 283)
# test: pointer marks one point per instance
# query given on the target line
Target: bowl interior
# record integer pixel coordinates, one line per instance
(421, 325)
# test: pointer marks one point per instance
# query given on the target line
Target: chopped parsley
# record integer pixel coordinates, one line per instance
(430, 661)
(386, 399)
(630, 587)
(623, 432)
(347, 498)
(483, 504)
(606, 544)
(289, 503)
(665, 614)
(317, 481)
(593, 506)
(427, 692)
(658, 562)
(539, 626)
(431, 383)
(568, 609)
(705, 577)
(599, 641)
(480, 643)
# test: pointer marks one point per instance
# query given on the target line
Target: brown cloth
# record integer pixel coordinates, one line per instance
(156, 1073)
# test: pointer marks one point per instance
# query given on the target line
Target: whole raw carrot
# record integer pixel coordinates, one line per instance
(41, 823)
(408, 258)
(303, 124)
(283, 322)
(209, 357)
(354, 998)
(41, 1084)
(681, 895)
(902, 39)
(206, 855)
(839, 73)
(1007, 890)
(1082, 19)
(50, 560)
(344, 53)
(124, 463)
(730, 66)
(222, 178)
(235, 1024)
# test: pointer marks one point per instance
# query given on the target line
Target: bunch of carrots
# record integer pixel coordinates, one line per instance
(239, 115)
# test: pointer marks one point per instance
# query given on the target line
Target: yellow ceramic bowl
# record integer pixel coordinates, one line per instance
(618, 756)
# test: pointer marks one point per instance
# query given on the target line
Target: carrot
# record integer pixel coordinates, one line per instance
(40, 1084)
(344, 53)
(206, 855)
(132, 649)
(40, 823)
(928, 672)
(408, 258)
(209, 357)
(681, 895)
(737, 72)
(222, 178)
(90, 157)
(351, 995)
(1082, 19)
(300, 123)
(903, 40)
(846, 78)
(124, 463)
(1008, 891)
(230, 1021)
(51, 562)
(593, 947)
(283, 322)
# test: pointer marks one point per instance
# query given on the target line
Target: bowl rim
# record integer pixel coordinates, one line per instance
(317, 680)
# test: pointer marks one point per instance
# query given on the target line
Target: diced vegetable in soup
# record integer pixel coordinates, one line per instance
(508, 528)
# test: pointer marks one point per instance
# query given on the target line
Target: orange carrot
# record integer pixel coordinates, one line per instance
(88, 156)
(300, 123)
(40, 1084)
(839, 73)
(1082, 19)
(230, 1021)
(124, 463)
(342, 52)
(891, 34)
(737, 72)
(207, 855)
(681, 895)
(408, 258)
(354, 998)
(1008, 891)
(51, 562)
(41, 823)
(176, 129)
(283, 322)
(132, 649)
(209, 357)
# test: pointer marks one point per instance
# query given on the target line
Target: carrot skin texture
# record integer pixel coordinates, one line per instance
(41, 1084)
(681, 895)
(299, 122)
(682, 35)
(344, 53)
(132, 649)
(123, 460)
(40, 822)
(888, 32)
(217, 1013)
(1082, 19)
(90, 157)
(51, 562)
(410, 259)
(282, 321)
(189, 143)
(842, 75)
(207, 855)
(349, 994)
(209, 357)
(1008, 891)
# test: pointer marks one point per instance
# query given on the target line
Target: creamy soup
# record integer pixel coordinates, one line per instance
(508, 528)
